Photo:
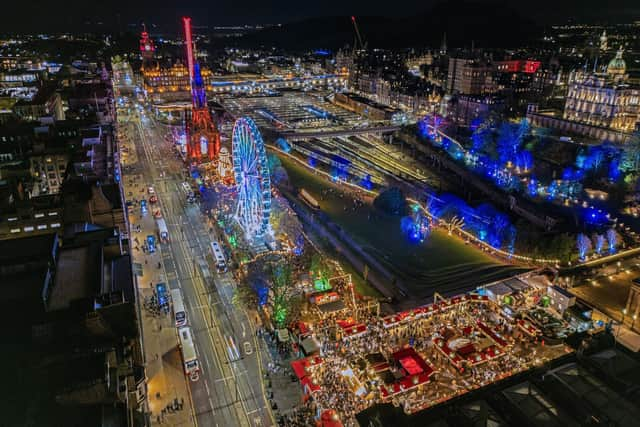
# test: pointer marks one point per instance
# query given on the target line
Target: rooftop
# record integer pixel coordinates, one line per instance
(78, 277)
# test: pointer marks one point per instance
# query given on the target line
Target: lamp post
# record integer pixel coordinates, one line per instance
(633, 323)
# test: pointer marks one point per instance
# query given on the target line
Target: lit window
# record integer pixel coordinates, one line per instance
(55, 225)
(39, 215)
(42, 227)
(53, 213)
(15, 230)
(30, 228)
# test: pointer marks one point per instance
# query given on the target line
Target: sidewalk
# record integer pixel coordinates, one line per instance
(627, 337)
(168, 392)
(281, 390)
(623, 335)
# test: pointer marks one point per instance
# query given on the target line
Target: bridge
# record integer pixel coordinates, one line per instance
(297, 136)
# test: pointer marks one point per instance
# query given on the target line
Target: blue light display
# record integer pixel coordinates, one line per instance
(583, 243)
(612, 239)
(284, 145)
(484, 221)
(299, 247)
(599, 243)
(366, 182)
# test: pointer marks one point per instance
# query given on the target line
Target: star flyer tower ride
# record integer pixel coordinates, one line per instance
(203, 138)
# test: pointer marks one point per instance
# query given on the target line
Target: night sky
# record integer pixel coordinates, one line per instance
(50, 15)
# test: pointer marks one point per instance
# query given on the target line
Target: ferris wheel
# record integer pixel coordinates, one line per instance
(251, 173)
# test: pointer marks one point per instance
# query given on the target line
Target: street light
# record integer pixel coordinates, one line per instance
(635, 316)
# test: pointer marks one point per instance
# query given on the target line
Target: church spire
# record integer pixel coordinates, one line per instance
(443, 46)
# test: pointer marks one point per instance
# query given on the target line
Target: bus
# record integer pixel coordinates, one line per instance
(163, 232)
(218, 256)
(179, 314)
(189, 356)
(188, 192)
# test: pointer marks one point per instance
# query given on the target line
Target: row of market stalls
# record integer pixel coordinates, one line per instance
(385, 375)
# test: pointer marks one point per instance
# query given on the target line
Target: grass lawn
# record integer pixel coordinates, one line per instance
(441, 263)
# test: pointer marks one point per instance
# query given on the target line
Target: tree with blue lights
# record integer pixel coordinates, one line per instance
(583, 243)
(612, 239)
(595, 158)
(510, 140)
(481, 139)
(598, 243)
(507, 144)
(391, 201)
(298, 249)
(532, 187)
(615, 172)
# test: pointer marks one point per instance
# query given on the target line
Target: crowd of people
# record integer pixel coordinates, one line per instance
(337, 391)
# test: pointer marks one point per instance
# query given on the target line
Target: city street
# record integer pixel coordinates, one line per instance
(230, 388)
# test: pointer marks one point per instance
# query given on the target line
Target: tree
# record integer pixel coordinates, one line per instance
(281, 292)
(510, 140)
(273, 162)
(244, 296)
(630, 159)
(598, 243)
(612, 239)
(481, 138)
(561, 247)
(583, 243)
(319, 267)
(391, 201)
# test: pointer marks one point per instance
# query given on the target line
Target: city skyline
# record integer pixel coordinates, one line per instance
(409, 214)
(117, 15)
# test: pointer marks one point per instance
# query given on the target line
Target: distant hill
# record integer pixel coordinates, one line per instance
(487, 24)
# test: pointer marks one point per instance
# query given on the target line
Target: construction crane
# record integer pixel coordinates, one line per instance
(358, 44)
(358, 48)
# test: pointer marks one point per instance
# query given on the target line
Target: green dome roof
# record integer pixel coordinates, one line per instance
(617, 64)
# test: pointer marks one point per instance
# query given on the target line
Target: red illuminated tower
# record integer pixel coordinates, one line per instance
(201, 130)
(146, 48)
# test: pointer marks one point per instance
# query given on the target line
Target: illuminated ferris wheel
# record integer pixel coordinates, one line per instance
(251, 173)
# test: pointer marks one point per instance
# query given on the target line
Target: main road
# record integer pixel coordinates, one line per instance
(230, 390)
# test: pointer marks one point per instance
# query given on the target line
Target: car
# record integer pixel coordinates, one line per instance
(150, 190)
(247, 348)
(153, 198)
(143, 206)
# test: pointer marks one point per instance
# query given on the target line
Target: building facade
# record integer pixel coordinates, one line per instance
(470, 76)
(604, 99)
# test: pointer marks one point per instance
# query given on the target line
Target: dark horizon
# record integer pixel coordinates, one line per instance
(118, 15)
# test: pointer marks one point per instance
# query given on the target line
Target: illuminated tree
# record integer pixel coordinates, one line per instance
(598, 243)
(391, 201)
(612, 239)
(583, 243)
(281, 292)
(273, 162)
(481, 138)
(630, 158)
